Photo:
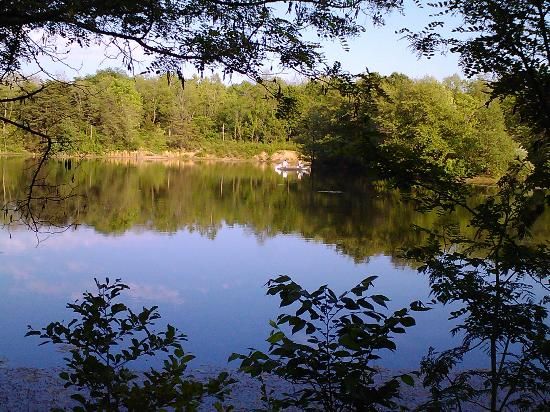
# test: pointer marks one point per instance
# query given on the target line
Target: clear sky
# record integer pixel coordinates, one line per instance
(379, 49)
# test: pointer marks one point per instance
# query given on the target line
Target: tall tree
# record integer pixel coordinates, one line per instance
(234, 36)
(507, 41)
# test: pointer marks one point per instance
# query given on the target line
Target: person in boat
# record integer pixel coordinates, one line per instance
(284, 165)
(300, 164)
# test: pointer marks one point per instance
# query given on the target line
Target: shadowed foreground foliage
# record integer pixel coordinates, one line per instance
(497, 280)
(106, 337)
(328, 347)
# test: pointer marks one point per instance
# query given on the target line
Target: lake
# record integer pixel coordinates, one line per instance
(200, 241)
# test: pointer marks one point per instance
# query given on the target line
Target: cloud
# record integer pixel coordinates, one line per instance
(13, 245)
(16, 273)
(157, 293)
(23, 279)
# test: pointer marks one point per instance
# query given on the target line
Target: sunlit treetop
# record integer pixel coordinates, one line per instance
(508, 42)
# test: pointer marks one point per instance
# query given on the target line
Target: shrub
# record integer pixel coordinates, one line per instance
(105, 337)
(331, 361)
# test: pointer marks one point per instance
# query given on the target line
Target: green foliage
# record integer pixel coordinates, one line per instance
(330, 350)
(116, 107)
(507, 42)
(105, 338)
(234, 149)
(450, 125)
(496, 279)
(110, 111)
(334, 120)
(325, 126)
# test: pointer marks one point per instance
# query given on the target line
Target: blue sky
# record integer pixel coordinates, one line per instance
(379, 49)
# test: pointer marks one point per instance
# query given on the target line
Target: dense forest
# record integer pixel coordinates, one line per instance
(451, 122)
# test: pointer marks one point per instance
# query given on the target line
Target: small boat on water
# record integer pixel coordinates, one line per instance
(304, 169)
(299, 168)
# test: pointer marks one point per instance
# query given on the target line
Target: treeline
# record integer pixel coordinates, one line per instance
(452, 122)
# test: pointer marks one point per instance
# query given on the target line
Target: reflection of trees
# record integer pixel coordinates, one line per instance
(30, 190)
(359, 222)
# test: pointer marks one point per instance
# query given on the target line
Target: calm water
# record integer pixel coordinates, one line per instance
(200, 241)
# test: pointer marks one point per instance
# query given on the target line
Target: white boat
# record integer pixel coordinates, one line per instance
(281, 167)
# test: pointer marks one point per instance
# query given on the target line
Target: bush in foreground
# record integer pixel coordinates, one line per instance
(106, 337)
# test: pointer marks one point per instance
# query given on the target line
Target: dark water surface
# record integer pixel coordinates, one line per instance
(200, 241)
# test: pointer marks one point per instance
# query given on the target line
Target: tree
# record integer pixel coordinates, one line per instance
(237, 36)
(497, 282)
(509, 42)
(118, 109)
(452, 125)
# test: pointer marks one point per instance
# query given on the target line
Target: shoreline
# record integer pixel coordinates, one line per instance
(148, 156)
(39, 389)
(144, 156)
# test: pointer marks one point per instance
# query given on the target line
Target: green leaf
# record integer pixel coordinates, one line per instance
(234, 356)
(407, 379)
(276, 337)
(408, 321)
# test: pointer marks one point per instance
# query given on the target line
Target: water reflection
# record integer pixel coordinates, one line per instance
(355, 216)
(200, 241)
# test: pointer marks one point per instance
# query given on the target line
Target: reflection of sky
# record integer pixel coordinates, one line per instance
(211, 289)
